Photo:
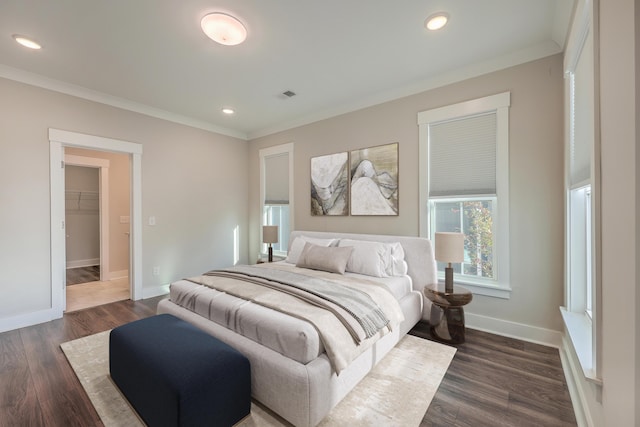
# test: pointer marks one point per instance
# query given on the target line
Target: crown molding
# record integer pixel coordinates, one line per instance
(540, 51)
(43, 82)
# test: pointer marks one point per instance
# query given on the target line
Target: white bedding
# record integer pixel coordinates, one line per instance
(302, 387)
(292, 337)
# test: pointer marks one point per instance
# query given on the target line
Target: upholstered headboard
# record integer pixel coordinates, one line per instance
(418, 253)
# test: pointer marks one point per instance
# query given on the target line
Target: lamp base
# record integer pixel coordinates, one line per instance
(270, 253)
(448, 280)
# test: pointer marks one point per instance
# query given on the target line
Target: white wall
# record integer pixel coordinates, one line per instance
(619, 26)
(536, 179)
(193, 181)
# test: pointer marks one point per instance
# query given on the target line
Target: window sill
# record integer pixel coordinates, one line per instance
(480, 288)
(487, 290)
(580, 333)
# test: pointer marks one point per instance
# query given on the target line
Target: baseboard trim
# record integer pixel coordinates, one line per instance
(120, 274)
(27, 319)
(516, 330)
(83, 263)
(30, 319)
(571, 372)
(155, 291)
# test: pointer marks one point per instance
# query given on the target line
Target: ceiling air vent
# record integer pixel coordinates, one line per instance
(289, 94)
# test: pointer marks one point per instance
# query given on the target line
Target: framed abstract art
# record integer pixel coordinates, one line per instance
(330, 184)
(374, 180)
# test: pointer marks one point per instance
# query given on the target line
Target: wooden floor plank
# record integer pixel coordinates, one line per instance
(500, 381)
(59, 392)
(492, 381)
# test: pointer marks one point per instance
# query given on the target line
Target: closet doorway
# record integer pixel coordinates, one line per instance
(59, 142)
(97, 234)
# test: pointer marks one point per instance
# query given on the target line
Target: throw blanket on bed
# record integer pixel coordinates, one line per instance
(344, 302)
(343, 335)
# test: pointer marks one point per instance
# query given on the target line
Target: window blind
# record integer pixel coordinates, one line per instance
(276, 169)
(582, 117)
(462, 156)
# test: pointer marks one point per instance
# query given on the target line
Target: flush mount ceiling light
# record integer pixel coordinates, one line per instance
(26, 42)
(223, 29)
(436, 21)
(229, 111)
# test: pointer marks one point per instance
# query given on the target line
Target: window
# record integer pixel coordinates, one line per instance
(277, 214)
(464, 187)
(474, 218)
(580, 314)
(276, 195)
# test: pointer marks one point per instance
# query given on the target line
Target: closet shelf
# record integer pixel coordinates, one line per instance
(82, 201)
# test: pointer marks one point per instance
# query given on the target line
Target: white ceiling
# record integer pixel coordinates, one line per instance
(151, 56)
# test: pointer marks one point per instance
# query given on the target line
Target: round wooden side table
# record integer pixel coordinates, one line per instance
(447, 314)
(263, 260)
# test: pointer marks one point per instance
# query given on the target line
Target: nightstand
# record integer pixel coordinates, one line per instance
(263, 260)
(447, 314)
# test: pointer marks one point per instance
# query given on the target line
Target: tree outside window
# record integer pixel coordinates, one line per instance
(474, 218)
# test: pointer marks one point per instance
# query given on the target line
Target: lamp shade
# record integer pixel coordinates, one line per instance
(270, 233)
(449, 247)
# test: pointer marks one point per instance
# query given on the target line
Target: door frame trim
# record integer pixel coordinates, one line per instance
(58, 139)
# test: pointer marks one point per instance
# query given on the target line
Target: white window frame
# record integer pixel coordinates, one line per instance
(282, 243)
(466, 279)
(584, 326)
(498, 104)
(263, 154)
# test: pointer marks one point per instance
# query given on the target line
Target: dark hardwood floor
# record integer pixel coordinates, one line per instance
(492, 380)
(76, 276)
(497, 381)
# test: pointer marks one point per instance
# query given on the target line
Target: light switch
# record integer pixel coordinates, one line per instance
(124, 219)
(152, 220)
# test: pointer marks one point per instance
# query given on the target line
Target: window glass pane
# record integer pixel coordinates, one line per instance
(278, 215)
(580, 250)
(588, 265)
(474, 218)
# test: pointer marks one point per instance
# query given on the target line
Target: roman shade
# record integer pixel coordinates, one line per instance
(582, 118)
(462, 156)
(276, 169)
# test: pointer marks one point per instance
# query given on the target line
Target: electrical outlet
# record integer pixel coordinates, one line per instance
(156, 271)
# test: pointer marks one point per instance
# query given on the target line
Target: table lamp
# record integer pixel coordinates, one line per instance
(270, 235)
(449, 249)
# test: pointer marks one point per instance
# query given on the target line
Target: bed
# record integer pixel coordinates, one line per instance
(297, 370)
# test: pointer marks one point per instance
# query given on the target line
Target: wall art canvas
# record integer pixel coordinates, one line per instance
(330, 184)
(374, 180)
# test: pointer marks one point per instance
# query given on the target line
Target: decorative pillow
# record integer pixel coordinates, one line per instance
(298, 245)
(396, 265)
(332, 259)
(369, 258)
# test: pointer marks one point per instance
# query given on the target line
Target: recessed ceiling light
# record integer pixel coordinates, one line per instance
(436, 21)
(26, 42)
(224, 29)
(228, 110)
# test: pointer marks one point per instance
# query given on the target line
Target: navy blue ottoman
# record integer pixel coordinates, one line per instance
(174, 374)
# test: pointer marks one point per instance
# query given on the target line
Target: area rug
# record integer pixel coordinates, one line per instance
(397, 392)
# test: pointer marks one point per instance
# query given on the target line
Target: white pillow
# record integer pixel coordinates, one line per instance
(331, 259)
(298, 245)
(367, 258)
(396, 265)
